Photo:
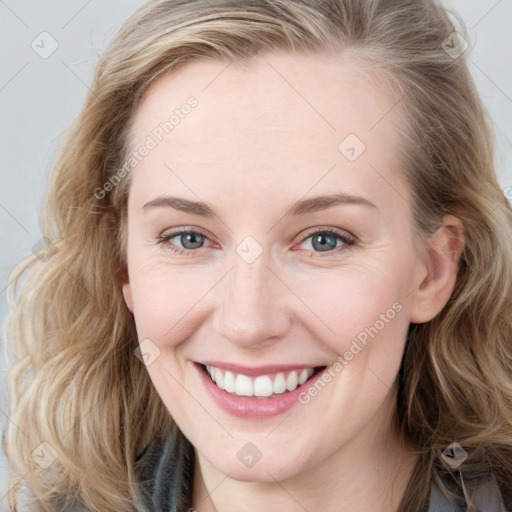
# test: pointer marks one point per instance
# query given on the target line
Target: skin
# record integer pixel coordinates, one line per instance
(261, 138)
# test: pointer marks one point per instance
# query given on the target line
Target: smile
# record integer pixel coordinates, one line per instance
(262, 386)
(266, 392)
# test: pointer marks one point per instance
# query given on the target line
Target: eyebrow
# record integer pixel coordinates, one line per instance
(302, 207)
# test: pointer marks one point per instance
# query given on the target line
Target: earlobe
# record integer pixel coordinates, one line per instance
(439, 270)
(127, 294)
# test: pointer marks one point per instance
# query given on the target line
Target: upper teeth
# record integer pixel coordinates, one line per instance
(261, 386)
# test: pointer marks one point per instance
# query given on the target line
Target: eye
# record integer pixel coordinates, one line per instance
(189, 239)
(328, 241)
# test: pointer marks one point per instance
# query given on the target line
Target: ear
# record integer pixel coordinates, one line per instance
(126, 288)
(438, 270)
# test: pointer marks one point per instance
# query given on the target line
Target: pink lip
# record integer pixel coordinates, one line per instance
(256, 370)
(249, 407)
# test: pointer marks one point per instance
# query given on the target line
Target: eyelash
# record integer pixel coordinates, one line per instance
(348, 240)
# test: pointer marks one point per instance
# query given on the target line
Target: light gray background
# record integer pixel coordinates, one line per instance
(39, 97)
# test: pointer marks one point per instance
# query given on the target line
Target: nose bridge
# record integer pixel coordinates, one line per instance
(252, 308)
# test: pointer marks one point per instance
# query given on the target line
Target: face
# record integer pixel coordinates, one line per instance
(261, 280)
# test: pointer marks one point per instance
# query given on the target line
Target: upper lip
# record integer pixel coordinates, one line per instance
(254, 371)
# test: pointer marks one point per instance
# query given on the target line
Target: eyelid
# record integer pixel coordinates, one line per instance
(349, 241)
(346, 237)
(172, 232)
(328, 229)
(165, 236)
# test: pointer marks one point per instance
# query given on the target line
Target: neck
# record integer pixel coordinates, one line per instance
(370, 474)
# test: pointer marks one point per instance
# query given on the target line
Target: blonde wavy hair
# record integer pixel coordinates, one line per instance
(74, 381)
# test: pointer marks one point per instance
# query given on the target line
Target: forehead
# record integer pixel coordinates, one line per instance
(281, 116)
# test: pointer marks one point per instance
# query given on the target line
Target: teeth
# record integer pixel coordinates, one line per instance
(292, 381)
(261, 386)
(243, 385)
(279, 383)
(229, 382)
(219, 378)
(303, 377)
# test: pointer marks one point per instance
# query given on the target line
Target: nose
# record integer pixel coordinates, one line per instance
(253, 304)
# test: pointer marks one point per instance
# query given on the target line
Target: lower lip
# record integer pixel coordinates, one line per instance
(250, 407)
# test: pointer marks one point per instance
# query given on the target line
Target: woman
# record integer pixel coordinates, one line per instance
(279, 275)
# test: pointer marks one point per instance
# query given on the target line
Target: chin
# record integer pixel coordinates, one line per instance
(275, 466)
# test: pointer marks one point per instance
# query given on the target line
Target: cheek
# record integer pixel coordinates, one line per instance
(167, 297)
(354, 304)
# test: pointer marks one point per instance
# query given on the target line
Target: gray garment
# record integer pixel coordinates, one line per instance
(165, 472)
(486, 498)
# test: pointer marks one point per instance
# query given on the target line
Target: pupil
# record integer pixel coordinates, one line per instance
(323, 246)
(191, 237)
